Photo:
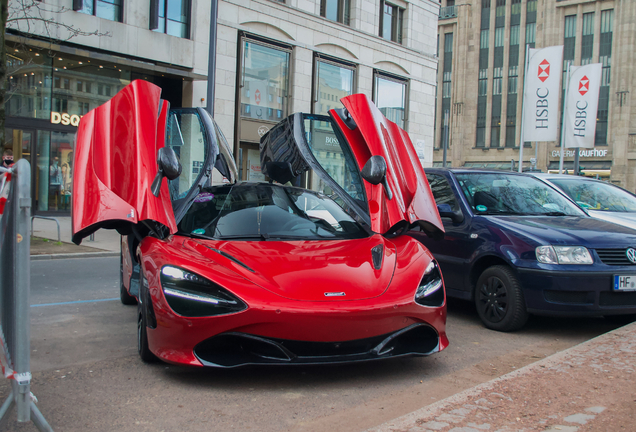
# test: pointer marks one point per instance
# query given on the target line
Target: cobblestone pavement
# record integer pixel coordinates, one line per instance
(590, 387)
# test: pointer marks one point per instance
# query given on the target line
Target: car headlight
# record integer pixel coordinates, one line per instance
(563, 255)
(191, 295)
(430, 292)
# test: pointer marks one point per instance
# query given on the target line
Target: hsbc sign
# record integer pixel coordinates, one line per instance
(541, 95)
(581, 104)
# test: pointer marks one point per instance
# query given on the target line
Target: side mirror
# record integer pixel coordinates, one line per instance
(169, 167)
(445, 210)
(374, 171)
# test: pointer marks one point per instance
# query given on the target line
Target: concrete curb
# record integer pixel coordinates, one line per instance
(408, 421)
(74, 255)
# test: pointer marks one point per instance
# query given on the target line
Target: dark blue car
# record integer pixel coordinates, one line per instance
(515, 246)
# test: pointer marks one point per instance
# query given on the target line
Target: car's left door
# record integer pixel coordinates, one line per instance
(455, 251)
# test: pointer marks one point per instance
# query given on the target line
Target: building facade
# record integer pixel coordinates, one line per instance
(482, 49)
(273, 58)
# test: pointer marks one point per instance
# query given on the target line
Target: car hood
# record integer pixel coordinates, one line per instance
(621, 218)
(567, 230)
(341, 270)
(115, 163)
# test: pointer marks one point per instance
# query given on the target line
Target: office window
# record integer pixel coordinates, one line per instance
(499, 37)
(605, 57)
(171, 17)
(336, 10)
(391, 22)
(497, 75)
(513, 75)
(333, 81)
(107, 9)
(483, 82)
(531, 29)
(446, 88)
(483, 39)
(587, 42)
(514, 35)
(389, 95)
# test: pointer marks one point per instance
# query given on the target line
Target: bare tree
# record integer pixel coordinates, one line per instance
(32, 17)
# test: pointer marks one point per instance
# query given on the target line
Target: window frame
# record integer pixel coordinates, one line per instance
(343, 16)
(78, 5)
(378, 74)
(320, 58)
(154, 18)
(397, 22)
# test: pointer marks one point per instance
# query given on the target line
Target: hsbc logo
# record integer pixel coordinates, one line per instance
(544, 70)
(584, 85)
(257, 97)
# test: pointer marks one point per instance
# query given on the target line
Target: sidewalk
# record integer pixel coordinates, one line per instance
(590, 387)
(106, 242)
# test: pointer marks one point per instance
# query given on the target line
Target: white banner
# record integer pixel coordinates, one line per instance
(581, 105)
(541, 94)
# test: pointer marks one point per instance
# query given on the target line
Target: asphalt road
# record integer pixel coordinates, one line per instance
(87, 376)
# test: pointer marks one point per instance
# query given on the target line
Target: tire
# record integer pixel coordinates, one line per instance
(620, 319)
(499, 299)
(125, 298)
(142, 331)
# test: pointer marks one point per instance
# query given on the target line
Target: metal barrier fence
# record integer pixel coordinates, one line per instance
(15, 286)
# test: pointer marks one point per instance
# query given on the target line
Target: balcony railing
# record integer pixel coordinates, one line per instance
(448, 12)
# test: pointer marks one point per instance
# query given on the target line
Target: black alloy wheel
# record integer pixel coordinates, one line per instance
(142, 330)
(499, 299)
(125, 298)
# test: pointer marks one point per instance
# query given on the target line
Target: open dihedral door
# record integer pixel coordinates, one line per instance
(359, 134)
(116, 162)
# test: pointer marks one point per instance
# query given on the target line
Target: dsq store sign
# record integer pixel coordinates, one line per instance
(65, 119)
(581, 105)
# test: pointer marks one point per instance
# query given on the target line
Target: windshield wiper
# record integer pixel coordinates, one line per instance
(192, 235)
(262, 236)
(553, 213)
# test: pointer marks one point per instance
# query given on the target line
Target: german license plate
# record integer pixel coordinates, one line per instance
(624, 283)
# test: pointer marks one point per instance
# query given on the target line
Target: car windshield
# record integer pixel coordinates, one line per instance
(511, 194)
(596, 195)
(261, 211)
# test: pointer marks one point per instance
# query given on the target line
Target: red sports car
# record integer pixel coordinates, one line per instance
(309, 265)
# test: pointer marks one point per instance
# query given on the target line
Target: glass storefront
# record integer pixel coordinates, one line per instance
(263, 88)
(47, 94)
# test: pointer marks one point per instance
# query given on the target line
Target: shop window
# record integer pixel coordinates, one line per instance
(107, 9)
(389, 95)
(171, 17)
(391, 21)
(333, 81)
(336, 10)
(265, 81)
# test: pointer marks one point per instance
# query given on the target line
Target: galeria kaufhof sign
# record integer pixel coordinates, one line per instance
(588, 153)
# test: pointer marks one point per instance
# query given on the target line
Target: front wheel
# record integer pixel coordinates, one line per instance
(142, 331)
(125, 298)
(499, 299)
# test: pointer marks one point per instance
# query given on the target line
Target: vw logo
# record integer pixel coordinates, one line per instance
(631, 255)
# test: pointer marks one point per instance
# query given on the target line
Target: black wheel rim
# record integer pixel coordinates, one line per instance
(493, 299)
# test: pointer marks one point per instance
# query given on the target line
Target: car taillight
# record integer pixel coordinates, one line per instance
(191, 295)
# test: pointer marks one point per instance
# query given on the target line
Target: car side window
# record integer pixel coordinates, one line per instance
(442, 191)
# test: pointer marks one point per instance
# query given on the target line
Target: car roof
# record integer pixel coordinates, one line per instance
(549, 176)
(473, 170)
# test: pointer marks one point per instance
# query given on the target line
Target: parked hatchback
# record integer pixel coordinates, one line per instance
(516, 246)
(601, 199)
